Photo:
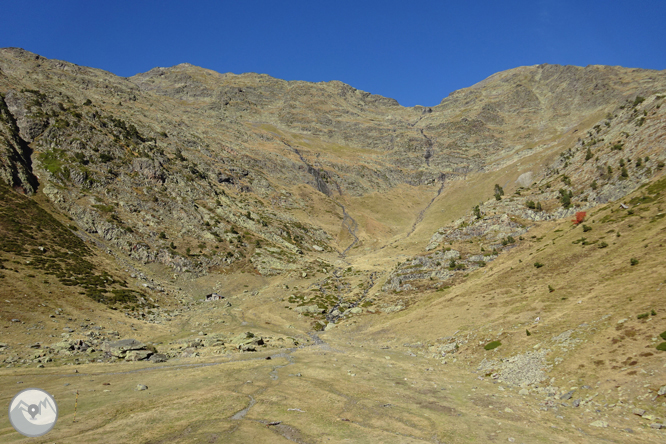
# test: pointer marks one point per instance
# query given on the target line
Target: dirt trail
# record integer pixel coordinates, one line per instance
(419, 217)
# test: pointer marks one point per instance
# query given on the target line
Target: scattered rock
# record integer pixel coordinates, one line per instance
(567, 395)
(140, 387)
(639, 412)
(662, 390)
(599, 423)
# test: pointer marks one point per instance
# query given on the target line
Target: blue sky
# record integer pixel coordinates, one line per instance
(415, 52)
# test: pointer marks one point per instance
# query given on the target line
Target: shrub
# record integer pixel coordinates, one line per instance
(660, 165)
(633, 261)
(527, 332)
(638, 100)
(550, 289)
(624, 173)
(653, 313)
(499, 192)
(663, 335)
(594, 185)
(603, 245)
(495, 344)
(477, 212)
(642, 315)
(588, 155)
(586, 228)
(538, 206)
(565, 197)
(617, 147)
(662, 346)
(162, 235)
(530, 204)
(538, 265)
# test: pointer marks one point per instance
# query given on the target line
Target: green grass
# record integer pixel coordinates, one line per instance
(492, 345)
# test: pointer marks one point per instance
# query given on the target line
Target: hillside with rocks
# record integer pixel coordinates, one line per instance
(298, 241)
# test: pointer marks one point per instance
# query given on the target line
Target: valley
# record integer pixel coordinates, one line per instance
(209, 257)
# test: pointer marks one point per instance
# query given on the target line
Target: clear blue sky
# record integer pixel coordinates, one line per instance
(415, 52)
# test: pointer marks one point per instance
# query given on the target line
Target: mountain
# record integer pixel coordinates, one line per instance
(332, 220)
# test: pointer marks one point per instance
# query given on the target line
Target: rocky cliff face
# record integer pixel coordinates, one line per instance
(200, 170)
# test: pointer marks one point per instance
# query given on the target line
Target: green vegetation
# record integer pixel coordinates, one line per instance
(565, 197)
(638, 100)
(624, 173)
(633, 261)
(499, 192)
(538, 265)
(663, 335)
(662, 346)
(527, 332)
(550, 289)
(492, 345)
(643, 316)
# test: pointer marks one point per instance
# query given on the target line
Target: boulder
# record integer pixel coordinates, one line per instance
(158, 357)
(309, 309)
(62, 345)
(120, 348)
(137, 355)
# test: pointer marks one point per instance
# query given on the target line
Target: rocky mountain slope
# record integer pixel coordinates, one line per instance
(321, 208)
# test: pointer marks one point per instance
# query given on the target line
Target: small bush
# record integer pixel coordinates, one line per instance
(662, 346)
(638, 100)
(499, 192)
(550, 289)
(495, 344)
(586, 228)
(603, 245)
(653, 313)
(594, 185)
(538, 265)
(162, 235)
(663, 335)
(527, 332)
(642, 315)
(633, 261)
(530, 204)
